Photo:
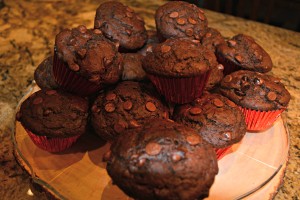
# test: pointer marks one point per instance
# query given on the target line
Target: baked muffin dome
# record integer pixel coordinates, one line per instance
(162, 160)
(120, 23)
(126, 106)
(216, 119)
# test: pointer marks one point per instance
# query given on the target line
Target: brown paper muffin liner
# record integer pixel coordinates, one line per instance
(70, 80)
(229, 66)
(221, 152)
(260, 120)
(53, 145)
(180, 90)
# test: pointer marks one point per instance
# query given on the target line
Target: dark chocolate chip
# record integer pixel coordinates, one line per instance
(192, 21)
(180, 21)
(109, 107)
(258, 81)
(153, 148)
(226, 136)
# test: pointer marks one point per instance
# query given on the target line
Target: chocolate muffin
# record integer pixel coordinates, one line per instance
(162, 160)
(132, 67)
(151, 42)
(216, 119)
(180, 19)
(85, 61)
(119, 22)
(54, 113)
(43, 75)
(212, 38)
(126, 106)
(242, 52)
(262, 98)
(179, 68)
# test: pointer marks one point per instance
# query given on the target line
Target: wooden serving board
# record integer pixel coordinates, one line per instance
(255, 165)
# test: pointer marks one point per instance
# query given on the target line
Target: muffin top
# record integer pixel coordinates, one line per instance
(243, 51)
(179, 57)
(43, 75)
(54, 113)
(90, 54)
(212, 38)
(255, 90)
(132, 67)
(216, 119)
(121, 23)
(125, 107)
(180, 19)
(162, 160)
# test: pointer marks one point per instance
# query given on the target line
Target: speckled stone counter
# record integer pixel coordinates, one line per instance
(27, 31)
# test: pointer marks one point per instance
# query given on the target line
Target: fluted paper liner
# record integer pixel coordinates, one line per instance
(221, 152)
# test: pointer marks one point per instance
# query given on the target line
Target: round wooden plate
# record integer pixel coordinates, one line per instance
(253, 168)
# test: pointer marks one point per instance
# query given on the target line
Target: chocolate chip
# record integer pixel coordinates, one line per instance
(129, 9)
(226, 136)
(218, 103)
(176, 157)
(128, 32)
(231, 43)
(201, 11)
(258, 81)
(271, 96)
(47, 112)
(189, 32)
(231, 103)
(165, 48)
(97, 31)
(238, 58)
(82, 29)
(192, 21)
(110, 96)
(196, 41)
(208, 35)
(74, 67)
(119, 127)
(81, 52)
(227, 78)
(107, 61)
(193, 139)
(134, 124)
(37, 100)
(245, 78)
(180, 21)
(239, 92)
(107, 156)
(201, 17)
(127, 105)
(150, 106)
(141, 162)
(51, 92)
(109, 107)
(220, 67)
(129, 14)
(174, 15)
(153, 148)
(195, 111)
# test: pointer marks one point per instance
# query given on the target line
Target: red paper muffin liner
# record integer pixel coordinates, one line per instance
(52, 145)
(221, 152)
(260, 120)
(229, 66)
(70, 80)
(180, 90)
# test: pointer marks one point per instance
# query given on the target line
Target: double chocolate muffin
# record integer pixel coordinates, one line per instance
(120, 23)
(54, 114)
(180, 19)
(43, 75)
(255, 90)
(215, 118)
(126, 106)
(162, 160)
(89, 54)
(242, 52)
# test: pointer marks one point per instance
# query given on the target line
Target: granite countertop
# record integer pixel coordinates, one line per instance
(27, 31)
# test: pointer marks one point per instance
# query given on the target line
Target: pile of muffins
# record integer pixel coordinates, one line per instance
(170, 101)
